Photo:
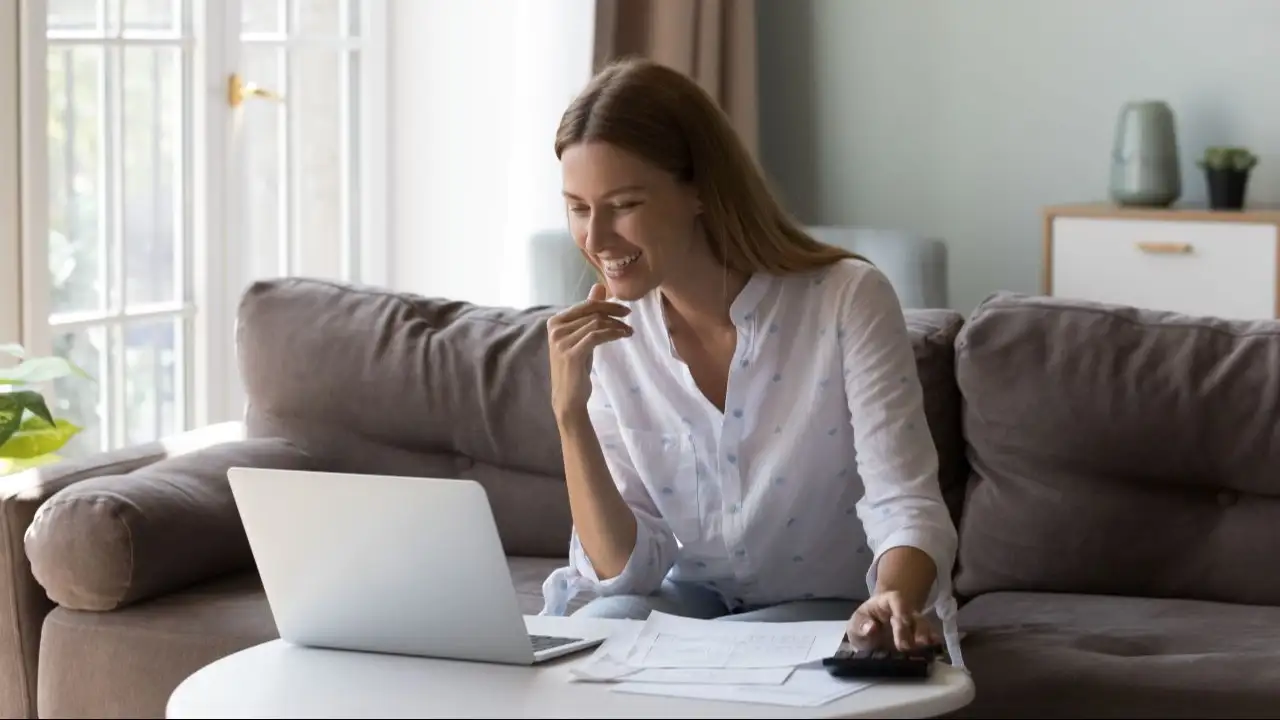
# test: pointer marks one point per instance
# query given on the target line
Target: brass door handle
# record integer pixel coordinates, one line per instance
(1165, 248)
(238, 91)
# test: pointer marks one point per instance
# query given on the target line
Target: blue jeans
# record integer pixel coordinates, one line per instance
(696, 601)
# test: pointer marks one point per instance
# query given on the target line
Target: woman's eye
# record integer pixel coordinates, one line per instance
(626, 205)
(578, 210)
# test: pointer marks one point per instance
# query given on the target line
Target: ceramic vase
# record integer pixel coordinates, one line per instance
(1144, 157)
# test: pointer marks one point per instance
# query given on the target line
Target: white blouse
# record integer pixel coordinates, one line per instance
(821, 461)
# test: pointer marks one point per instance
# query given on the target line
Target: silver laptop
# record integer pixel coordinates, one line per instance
(403, 565)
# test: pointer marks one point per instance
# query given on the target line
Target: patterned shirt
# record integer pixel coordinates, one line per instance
(821, 461)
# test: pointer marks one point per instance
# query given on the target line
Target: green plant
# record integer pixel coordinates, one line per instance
(29, 433)
(1228, 158)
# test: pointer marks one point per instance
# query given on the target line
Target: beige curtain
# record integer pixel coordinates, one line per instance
(711, 41)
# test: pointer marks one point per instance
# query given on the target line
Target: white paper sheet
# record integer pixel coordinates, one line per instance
(682, 657)
(670, 641)
(709, 676)
(805, 688)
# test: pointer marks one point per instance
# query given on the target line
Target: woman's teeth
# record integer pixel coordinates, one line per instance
(616, 265)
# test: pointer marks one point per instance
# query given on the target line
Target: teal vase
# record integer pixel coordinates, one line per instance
(1144, 158)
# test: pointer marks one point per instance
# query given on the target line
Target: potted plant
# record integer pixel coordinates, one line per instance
(29, 434)
(1226, 170)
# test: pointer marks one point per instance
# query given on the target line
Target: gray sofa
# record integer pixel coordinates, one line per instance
(1114, 474)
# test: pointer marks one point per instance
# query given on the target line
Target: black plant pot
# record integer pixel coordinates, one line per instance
(1226, 188)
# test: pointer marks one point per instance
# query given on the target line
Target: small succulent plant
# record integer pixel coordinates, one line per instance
(1237, 159)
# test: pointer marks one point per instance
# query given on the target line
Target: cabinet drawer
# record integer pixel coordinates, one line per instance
(1198, 268)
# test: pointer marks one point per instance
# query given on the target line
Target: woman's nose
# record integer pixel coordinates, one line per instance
(598, 232)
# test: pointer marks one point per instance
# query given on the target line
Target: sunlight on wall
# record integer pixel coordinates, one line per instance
(551, 61)
(473, 172)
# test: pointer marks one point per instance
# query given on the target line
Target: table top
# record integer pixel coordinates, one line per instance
(280, 680)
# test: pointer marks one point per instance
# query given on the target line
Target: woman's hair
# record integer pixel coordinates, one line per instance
(663, 116)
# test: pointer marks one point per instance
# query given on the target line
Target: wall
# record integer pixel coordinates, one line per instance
(450, 89)
(964, 119)
(476, 90)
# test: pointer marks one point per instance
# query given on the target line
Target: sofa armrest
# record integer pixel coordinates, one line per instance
(23, 602)
(119, 539)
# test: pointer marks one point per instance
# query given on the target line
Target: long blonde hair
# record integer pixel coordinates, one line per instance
(663, 116)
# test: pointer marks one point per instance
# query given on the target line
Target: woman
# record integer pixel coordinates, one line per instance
(711, 392)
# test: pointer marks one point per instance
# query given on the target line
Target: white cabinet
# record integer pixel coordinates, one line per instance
(1197, 262)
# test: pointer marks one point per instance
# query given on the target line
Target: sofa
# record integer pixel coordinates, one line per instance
(1114, 474)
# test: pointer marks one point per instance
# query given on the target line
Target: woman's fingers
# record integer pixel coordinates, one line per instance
(588, 332)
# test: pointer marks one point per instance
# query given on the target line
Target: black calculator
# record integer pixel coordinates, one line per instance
(914, 664)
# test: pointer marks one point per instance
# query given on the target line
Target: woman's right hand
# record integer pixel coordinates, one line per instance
(573, 335)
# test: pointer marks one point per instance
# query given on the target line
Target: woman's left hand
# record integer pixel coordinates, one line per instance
(887, 621)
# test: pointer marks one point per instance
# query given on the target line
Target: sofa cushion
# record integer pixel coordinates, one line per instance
(1037, 655)
(125, 664)
(1119, 451)
(933, 335)
(372, 381)
(113, 540)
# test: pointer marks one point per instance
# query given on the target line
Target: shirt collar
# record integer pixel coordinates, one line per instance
(741, 310)
(744, 305)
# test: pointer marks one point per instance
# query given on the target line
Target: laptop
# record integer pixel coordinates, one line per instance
(386, 564)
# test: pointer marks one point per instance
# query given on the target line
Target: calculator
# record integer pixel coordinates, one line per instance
(916, 664)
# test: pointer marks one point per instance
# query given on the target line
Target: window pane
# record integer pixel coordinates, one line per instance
(315, 103)
(353, 17)
(153, 380)
(262, 16)
(351, 106)
(73, 15)
(263, 154)
(78, 399)
(77, 256)
(319, 18)
(154, 15)
(152, 156)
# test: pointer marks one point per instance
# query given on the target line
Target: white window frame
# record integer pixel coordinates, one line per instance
(10, 177)
(215, 393)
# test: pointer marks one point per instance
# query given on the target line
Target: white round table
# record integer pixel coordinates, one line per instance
(280, 680)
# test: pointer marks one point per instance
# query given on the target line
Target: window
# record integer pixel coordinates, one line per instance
(180, 150)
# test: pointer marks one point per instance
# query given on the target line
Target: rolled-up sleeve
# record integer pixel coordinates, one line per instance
(655, 548)
(897, 459)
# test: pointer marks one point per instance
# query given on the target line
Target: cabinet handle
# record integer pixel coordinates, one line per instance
(1165, 248)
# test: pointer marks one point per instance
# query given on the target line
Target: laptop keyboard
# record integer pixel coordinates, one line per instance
(546, 642)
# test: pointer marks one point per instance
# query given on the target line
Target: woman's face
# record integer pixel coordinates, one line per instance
(632, 220)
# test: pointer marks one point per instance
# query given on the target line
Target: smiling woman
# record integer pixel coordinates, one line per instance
(710, 465)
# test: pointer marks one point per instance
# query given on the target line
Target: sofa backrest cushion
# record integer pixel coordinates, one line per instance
(378, 382)
(933, 335)
(370, 381)
(1119, 451)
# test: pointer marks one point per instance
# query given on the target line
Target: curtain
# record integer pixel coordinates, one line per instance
(711, 41)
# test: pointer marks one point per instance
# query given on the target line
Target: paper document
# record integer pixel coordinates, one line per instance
(703, 676)
(670, 641)
(751, 662)
(805, 688)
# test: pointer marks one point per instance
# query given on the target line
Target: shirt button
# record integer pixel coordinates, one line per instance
(740, 552)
